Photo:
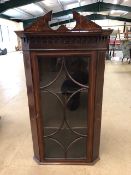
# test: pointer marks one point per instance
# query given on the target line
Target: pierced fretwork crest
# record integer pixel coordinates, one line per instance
(82, 24)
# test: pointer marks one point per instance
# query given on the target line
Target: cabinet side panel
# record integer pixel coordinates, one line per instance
(98, 103)
(31, 102)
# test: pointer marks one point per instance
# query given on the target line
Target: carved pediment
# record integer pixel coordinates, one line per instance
(62, 28)
(82, 24)
(41, 24)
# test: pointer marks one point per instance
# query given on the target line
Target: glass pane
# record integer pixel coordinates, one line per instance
(52, 111)
(64, 97)
(76, 112)
(77, 149)
(77, 69)
(53, 149)
(49, 70)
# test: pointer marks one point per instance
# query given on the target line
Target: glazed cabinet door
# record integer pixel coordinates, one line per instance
(63, 95)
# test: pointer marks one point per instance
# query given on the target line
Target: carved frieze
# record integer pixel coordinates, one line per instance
(59, 42)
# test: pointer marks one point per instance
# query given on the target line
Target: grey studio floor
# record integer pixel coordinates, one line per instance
(16, 153)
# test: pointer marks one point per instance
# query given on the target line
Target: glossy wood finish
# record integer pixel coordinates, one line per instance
(87, 38)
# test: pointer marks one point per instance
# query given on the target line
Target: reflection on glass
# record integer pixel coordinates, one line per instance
(64, 94)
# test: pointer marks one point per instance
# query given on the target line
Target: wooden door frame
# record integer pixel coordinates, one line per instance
(91, 100)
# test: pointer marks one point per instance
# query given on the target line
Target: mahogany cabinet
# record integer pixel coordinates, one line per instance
(64, 76)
